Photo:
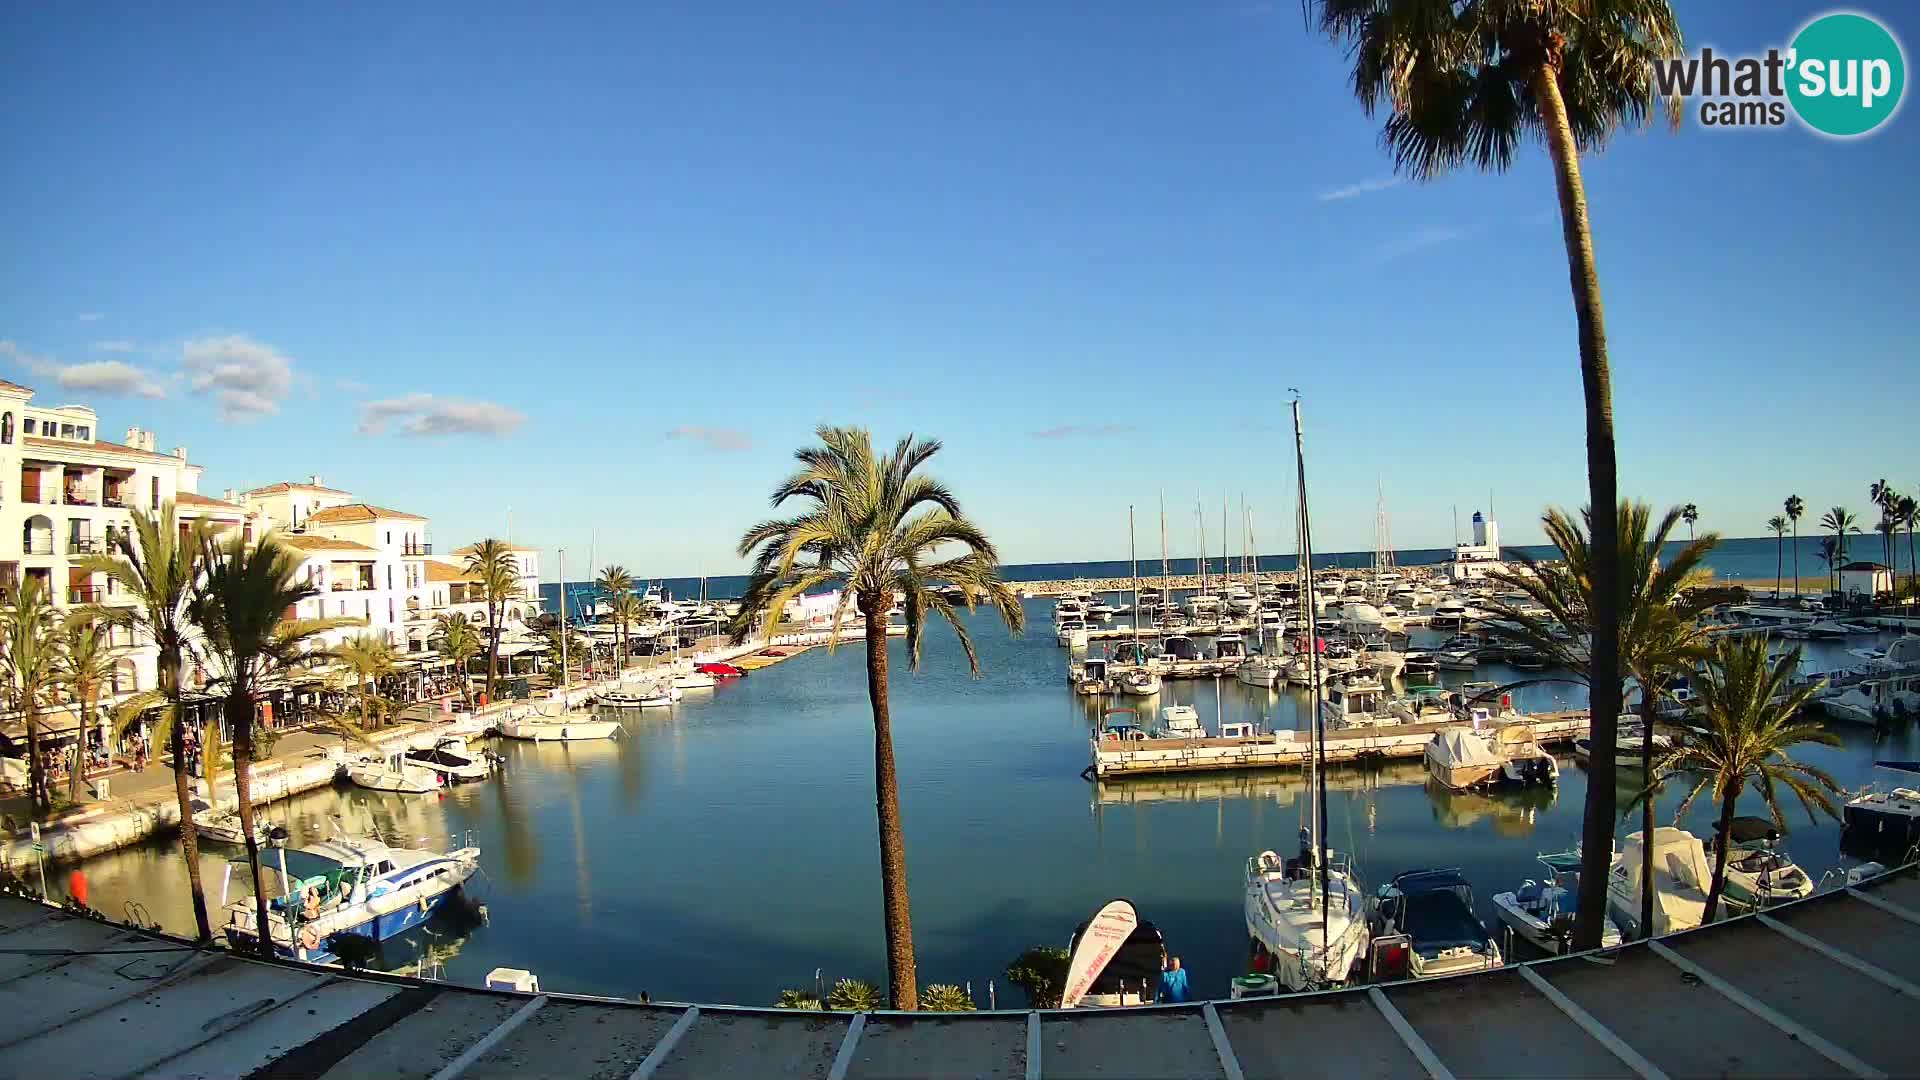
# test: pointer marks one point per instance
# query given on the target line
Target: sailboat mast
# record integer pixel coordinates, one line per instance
(1166, 579)
(1319, 748)
(1200, 523)
(1133, 558)
(565, 682)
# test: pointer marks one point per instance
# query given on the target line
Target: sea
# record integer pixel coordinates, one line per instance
(725, 850)
(1743, 559)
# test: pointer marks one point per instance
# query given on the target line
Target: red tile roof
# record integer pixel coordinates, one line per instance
(272, 489)
(102, 447)
(356, 512)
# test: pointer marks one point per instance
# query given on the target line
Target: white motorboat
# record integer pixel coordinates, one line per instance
(1229, 647)
(1092, 678)
(1873, 700)
(213, 823)
(1542, 911)
(1456, 659)
(394, 773)
(1141, 682)
(344, 886)
(1465, 759)
(1181, 722)
(1285, 920)
(1432, 911)
(1885, 818)
(1681, 876)
(1385, 661)
(693, 680)
(1629, 748)
(556, 723)
(1759, 874)
(454, 760)
(1071, 633)
(1356, 701)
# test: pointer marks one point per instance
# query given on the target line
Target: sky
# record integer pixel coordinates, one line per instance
(594, 272)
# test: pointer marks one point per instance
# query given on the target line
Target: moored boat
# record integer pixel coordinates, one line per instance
(1542, 912)
(393, 773)
(1433, 911)
(345, 886)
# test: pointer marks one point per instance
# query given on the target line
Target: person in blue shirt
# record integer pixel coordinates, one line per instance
(1173, 982)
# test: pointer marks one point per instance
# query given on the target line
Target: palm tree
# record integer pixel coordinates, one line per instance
(875, 530)
(626, 609)
(1659, 635)
(1888, 500)
(1465, 83)
(492, 564)
(368, 658)
(1908, 512)
(1777, 525)
(1839, 521)
(156, 568)
(241, 605)
(615, 583)
(85, 663)
(1690, 514)
(1829, 557)
(1795, 506)
(30, 672)
(1749, 713)
(460, 643)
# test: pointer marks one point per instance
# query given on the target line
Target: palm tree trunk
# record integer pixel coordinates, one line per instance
(1725, 835)
(1604, 502)
(36, 769)
(1913, 565)
(1779, 555)
(79, 774)
(240, 717)
(189, 836)
(1796, 557)
(902, 985)
(1646, 811)
(493, 648)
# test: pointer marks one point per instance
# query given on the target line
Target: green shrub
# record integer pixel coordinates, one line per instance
(797, 999)
(855, 995)
(945, 997)
(1042, 972)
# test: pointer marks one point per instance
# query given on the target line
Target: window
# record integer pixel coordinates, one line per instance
(389, 574)
(156, 495)
(30, 423)
(390, 617)
(389, 537)
(6, 428)
(66, 431)
(84, 432)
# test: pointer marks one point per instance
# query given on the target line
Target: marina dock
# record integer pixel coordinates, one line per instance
(1819, 987)
(1289, 749)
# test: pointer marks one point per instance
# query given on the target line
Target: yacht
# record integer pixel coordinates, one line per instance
(1455, 659)
(1885, 818)
(557, 723)
(1542, 911)
(1432, 912)
(1759, 874)
(1261, 670)
(1629, 748)
(1229, 647)
(1303, 950)
(1464, 759)
(1181, 722)
(1681, 879)
(1873, 700)
(1141, 682)
(343, 886)
(658, 696)
(1071, 632)
(453, 761)
(1358, 700)
(393, 773)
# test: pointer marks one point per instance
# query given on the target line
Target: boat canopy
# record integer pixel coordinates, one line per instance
(1747, 830)
(1462, 749)
(1564, 862)
(1435, 909)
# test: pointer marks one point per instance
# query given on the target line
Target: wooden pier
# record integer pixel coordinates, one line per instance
(1818, 987)
(1288, 749)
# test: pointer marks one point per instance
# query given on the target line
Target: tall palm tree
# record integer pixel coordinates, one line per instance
(1465, 84)
(874, 527)
(626, 610)
(615, 583)
(492, 564)
(368, 658)
(1829, 556)
(1908, 511)
(1777, 525)
(1659, 634)
(30, 672)
(1883, 496)
(1795, 506)
(156, 568)
(1690, 514)
(241, 605)
(460, 643)
(1749, 712)
(1839, 521)
(84, 662)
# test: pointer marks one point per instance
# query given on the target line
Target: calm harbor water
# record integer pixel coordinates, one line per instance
(727, 850)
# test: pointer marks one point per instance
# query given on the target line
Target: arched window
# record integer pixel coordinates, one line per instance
(6, 428)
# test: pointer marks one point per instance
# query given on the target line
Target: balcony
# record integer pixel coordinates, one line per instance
(85, 545)
(417, 549)
(117, 501)
(79, 498)
(38, 546)
(85, 594)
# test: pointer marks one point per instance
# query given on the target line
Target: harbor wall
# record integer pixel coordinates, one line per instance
(1289, 749)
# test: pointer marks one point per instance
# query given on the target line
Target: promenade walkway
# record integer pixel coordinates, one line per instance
(1822, 987)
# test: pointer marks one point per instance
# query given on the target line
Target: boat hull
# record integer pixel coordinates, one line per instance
(582, 731)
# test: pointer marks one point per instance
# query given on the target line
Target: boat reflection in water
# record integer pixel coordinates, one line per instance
(1512, 812)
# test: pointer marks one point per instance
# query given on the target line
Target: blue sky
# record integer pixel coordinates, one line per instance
(609, 265)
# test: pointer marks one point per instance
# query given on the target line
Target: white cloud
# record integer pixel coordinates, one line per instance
(1065, 431)
(90, 316)
(1364, 187)
(114, 346)
(426, 415)
(110, 377)
(246, 377)
(1417, 240)
(723, 439)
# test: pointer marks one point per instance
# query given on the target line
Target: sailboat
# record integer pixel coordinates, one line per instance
(1263, 668)
(555, 720)
(1307, 916)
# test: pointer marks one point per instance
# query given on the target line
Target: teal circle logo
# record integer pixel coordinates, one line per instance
(1846, 74)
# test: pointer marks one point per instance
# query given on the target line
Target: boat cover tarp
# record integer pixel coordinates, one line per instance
(1746, 830)
(1462, 749)
(1436, 911)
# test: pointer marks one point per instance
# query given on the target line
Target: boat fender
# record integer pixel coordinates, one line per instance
(423, 905)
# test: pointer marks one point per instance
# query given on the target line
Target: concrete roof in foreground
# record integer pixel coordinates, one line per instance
(1822, 987)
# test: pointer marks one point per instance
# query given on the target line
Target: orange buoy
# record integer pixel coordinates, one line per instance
(77, 887)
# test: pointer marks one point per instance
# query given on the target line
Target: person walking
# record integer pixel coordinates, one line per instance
(1173, 983)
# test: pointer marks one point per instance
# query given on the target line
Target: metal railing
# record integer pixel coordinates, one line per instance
(417, 549)
(85, 545)
(117, 502)
(38, 547)
(87, 594)
(77, 498)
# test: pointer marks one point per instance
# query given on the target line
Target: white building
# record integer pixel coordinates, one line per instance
(366, 562)
(520, 609)
(66, 494)
(1868, 579)
(1474, 561)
